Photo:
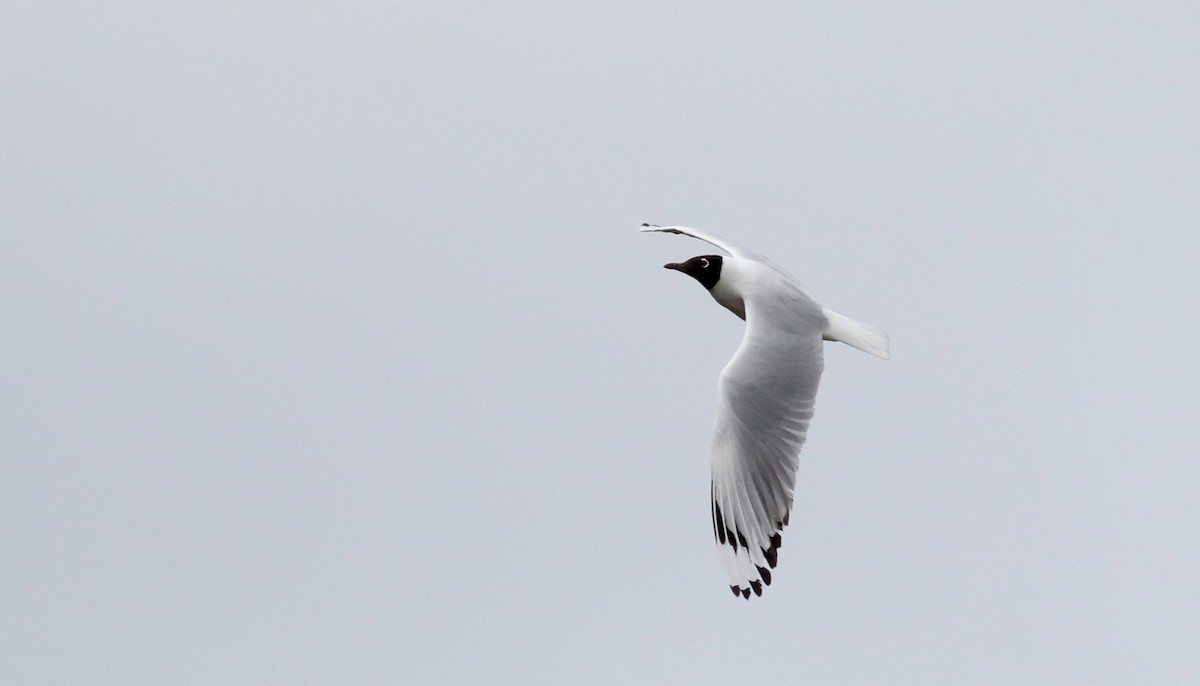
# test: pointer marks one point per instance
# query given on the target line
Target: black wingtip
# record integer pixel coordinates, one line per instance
(772, 553)
(718, 523)
(765, 574)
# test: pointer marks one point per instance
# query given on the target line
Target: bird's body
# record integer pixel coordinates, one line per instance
(765, 397)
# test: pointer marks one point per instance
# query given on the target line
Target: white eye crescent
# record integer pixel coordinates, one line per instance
(704, 263)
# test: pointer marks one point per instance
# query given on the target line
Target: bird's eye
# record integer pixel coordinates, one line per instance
(704, 263)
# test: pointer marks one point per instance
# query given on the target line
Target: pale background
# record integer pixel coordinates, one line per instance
(331, 355)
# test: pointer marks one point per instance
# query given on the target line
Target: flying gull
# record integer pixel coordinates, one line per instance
(765, 398)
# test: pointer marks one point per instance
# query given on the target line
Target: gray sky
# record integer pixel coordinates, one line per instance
(331, 353)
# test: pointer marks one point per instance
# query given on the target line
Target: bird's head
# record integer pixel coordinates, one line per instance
(706, 269)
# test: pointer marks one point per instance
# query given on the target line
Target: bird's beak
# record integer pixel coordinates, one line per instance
(673, 265)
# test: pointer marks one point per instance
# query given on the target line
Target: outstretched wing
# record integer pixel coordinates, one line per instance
(700, 235)
(766, 396)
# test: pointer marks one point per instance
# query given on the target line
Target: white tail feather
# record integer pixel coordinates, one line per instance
(867, 338)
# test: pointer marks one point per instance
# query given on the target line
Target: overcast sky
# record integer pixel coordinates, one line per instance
(331, 354)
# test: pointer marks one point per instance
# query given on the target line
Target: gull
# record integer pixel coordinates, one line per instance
(765, 398)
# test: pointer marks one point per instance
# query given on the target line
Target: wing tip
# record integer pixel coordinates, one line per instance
(755, 587)
(764, 574)
(647, 227)
(743, 578)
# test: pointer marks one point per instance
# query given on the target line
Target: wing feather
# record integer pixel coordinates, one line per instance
(706, 237)
(766, 396)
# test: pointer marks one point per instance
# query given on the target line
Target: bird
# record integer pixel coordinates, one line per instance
(765, 399)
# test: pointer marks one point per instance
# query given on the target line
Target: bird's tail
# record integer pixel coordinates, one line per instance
(867, 338)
